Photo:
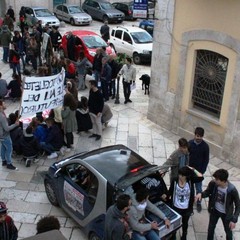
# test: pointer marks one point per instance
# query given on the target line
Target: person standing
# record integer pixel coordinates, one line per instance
(105, 31)
(14, 59)
(97, 65)
(5, 39)
(95, 104)
(9, 22)
(3, 87)
(129, 76)
(223, 203)
(181, 195)
(116, 224)
(5, 139)
(178, 159)
(55, 38)
(106, 75)
(11, 13)
(198, 158)
(69, 119)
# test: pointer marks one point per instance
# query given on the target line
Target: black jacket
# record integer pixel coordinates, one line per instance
(55, 137)
(30, 145)
(95, 102)
(232, 200)
(191, 180)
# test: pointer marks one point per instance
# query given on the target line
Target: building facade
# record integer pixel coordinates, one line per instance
(195, 79)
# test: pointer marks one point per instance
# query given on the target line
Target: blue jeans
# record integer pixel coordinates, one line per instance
(47, 147)
(6, 150)
(5, 53)
(149, 235)
(198, 187)
(214, 216)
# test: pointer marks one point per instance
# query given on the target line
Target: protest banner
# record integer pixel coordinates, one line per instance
(42, 93)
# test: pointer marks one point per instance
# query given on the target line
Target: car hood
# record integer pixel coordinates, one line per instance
(81, 15)
(114, 11)
(146, 46)
(48, 19)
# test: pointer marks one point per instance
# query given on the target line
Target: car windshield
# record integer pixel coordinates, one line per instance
(106, 6)
(141, 37)
(75, 9)
(94, 41)
(43, 13)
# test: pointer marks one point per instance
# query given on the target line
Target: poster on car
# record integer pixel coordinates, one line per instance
(140, 8)
(42, 93)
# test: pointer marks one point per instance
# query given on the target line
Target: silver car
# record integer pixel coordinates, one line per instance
(34, 14)
(73, 14)
(103, 10)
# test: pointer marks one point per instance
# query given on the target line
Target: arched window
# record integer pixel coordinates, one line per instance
(209, 81)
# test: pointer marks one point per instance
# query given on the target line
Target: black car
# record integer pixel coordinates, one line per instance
(85, 185)
(126, 8)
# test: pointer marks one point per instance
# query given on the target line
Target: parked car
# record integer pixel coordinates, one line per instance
(126, 8)
(86, 41)
(133, 41)
(147, 25)
(103, 10)
(73, 14)
(110, 171)
(34, 14)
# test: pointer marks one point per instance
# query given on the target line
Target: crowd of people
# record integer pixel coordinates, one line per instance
(127, 218)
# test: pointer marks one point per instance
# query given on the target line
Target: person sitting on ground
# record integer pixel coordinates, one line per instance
(106, 114)
(8, 230)
(40, 130)
(3, 87)
(15, 87)
(30, 145)
(54, 140)
(47, 223)
(82, 115)
(15, 134)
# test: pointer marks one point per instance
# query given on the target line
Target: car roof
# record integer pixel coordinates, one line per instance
(82, 33)
(118, 164)
(35, 8)
(130, 29)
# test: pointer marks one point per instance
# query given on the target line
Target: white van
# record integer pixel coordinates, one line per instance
(134, 41)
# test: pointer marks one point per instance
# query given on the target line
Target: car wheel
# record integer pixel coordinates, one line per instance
(136, 58)
(72, 22)
(105, 18)
(61, 52)
(51, 193)
(94, 236)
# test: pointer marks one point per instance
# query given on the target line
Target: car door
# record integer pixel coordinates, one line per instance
(65, 14)
(96, 10)
(59, 12)
(117, 40)
(78, 188)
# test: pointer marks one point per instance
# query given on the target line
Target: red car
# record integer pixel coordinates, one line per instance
(86, 41)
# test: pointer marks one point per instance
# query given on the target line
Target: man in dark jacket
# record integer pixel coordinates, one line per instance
(106, 77)
(116, 225)
(104, 30)
(224, 203)
(198, 158)
(54, 139)
(95, 105)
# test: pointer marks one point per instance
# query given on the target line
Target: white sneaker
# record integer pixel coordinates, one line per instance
(52, 155)
(68, 150)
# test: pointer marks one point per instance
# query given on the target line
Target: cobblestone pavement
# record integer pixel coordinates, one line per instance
(23, 190)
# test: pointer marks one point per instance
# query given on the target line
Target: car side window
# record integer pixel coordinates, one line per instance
(127, 38)
(59, 8)
(118, 34)
(65, 9)
(96, 5)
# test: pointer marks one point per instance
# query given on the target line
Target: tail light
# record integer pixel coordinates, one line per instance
(129, 12)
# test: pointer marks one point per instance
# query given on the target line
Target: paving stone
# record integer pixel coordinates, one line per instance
(71, 223)
(159, 150)
(3, 173)
(133, 130)
(19, 176)
(7, 184)
(25, 186)
(67, 232)
(109, 133)
(122, 136)
(39, 197)
(23, 217)
(133, 143)
(9, 193)
(224, 165)
(146, 152)
(27, 230)
(58, 212)
(78, 234)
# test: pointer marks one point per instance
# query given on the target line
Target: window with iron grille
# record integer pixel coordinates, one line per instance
(209, 81)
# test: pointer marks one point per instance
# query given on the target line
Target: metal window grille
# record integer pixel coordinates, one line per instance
(209, 81)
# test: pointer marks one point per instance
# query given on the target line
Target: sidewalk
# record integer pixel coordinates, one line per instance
(23, 190)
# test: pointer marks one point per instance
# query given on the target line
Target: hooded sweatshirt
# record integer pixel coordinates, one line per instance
(135, 215)
(114, 226)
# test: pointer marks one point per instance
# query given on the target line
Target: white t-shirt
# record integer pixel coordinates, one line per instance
(182, 196)
(220, 203)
